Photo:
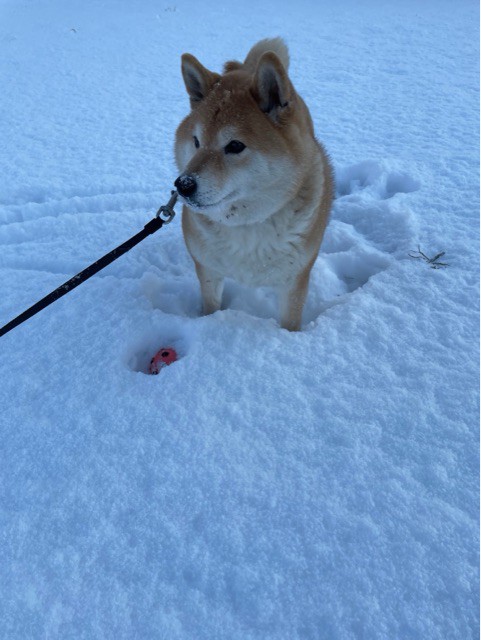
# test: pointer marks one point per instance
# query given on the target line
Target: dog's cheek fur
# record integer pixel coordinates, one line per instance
(184, 148)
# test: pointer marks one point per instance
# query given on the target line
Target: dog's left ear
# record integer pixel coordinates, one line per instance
(198, 80)
(271, 87)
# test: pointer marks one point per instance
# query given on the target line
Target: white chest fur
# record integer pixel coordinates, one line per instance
(268, 253)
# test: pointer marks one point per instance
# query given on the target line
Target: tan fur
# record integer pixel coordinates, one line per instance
(258, 216)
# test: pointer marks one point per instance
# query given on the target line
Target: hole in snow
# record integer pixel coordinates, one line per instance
(140, 355)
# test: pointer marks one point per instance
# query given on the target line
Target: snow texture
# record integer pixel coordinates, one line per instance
(271, 486)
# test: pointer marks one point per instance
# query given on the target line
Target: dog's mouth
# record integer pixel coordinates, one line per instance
(206, 206)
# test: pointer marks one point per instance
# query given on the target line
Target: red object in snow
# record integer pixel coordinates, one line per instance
(162, 358)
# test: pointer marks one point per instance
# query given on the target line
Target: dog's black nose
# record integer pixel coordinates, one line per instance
(186, 185)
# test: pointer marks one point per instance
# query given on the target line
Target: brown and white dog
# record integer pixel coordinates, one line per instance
(256, 184)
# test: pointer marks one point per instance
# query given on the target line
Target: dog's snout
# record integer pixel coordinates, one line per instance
(186, 185)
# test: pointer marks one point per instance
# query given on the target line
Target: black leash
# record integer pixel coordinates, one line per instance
(151, 227)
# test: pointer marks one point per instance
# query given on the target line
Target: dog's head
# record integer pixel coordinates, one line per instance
(240, 148)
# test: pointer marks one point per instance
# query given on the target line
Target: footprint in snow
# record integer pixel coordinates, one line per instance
(371, 175)
(370, 227)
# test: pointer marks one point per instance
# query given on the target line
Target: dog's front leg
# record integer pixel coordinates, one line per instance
(291, 302)
(211, 286)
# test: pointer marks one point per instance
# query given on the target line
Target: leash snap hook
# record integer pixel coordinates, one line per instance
(166, 212)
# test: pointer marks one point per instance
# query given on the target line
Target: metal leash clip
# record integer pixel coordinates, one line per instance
(167, 210)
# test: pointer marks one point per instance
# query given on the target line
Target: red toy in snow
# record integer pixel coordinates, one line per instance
(162, 358)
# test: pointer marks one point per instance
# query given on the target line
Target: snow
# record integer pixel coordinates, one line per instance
(320, 485)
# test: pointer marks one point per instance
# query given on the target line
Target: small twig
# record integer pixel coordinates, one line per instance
(433, 262)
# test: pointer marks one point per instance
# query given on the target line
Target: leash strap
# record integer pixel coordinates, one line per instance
(168, 213)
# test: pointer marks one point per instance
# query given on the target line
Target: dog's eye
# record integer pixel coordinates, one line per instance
(234, 146)
(196, 142)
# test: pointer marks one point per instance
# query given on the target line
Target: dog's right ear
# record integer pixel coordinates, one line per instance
(198, 80)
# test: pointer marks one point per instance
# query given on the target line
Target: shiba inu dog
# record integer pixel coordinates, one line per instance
(256, 184)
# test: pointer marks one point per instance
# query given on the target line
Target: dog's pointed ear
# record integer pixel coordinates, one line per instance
(198, 80)
(271, 87)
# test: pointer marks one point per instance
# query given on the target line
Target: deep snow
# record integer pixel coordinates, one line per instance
(320, 485)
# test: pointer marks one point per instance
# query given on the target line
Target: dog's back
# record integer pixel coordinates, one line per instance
(276, 45)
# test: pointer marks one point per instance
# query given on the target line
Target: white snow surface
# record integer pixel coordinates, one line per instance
(320, 485)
